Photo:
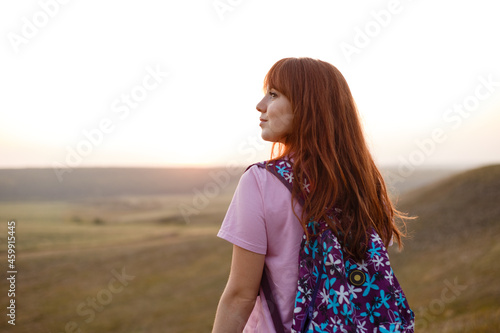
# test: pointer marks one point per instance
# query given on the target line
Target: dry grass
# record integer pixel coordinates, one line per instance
(179, 273)
(180, 270)
(454, 238)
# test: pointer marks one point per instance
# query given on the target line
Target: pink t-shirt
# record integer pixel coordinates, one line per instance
(260, 219)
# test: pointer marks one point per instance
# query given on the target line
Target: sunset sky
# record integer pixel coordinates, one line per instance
(175, 83)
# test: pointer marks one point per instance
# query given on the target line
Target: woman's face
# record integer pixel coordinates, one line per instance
(276, 116)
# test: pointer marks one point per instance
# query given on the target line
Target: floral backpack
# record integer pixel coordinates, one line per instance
(337, 294)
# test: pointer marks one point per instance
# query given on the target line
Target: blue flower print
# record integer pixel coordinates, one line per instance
(401, 300)
(347, 312)
(369, 283)
(315, 273)
(313, 248)
(326, 249)
(333, 303)
(299, 298)
(382, 300)
(328, 282)
(348, 266)
(370, 313)
(281, 170)
(321, 328)
(374, 250)
(394, 328)
(397, 317)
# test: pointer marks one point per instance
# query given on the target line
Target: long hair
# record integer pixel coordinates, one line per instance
(329, 149)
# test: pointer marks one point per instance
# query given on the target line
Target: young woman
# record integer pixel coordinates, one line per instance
(310, 115)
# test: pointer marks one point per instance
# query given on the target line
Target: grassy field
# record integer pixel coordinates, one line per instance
(450, 268)
(134, 264)
(174, 272)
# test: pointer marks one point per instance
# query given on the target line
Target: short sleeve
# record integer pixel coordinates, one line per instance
(244, 224)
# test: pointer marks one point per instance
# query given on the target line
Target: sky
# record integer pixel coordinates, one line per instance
(175, 83)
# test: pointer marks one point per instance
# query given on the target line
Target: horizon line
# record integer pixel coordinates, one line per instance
(450, 165)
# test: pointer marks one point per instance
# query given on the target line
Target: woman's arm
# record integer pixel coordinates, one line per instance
(238, 299)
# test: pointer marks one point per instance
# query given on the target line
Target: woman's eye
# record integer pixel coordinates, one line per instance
(272, 94)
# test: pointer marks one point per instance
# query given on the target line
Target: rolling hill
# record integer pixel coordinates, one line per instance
(450, 264)
(43, 184)
(456, 208)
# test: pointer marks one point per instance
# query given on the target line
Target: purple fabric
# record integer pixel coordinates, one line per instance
(337, 294)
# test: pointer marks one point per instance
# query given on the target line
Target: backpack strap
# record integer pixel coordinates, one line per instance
(277, 168)
(271, 303)
(283, 170)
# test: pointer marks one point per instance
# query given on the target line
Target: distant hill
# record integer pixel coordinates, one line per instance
(43, 184)
(455, 207)
(402, 181)
(449, 267)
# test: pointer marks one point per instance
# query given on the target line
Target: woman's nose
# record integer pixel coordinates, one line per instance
(261, 107)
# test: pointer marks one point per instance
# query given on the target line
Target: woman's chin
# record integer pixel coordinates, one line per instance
(270, 137)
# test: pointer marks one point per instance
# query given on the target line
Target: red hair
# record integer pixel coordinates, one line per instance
(329, 149)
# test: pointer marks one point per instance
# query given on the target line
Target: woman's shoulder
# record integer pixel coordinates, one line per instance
(269, 174)
(255, 172)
